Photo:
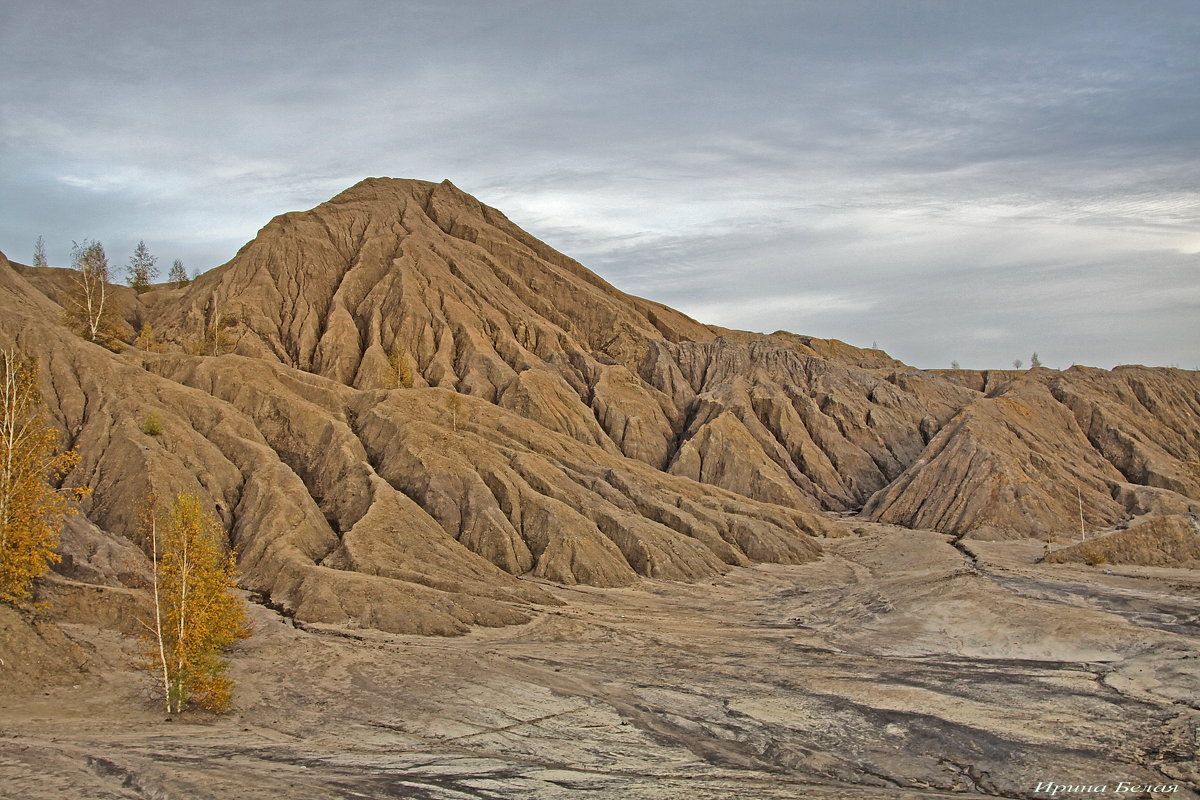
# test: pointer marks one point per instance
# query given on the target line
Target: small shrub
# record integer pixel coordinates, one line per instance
(152, 425)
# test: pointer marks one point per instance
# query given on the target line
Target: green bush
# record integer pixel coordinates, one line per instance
(152, 426)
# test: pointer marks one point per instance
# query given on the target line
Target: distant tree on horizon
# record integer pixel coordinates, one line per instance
(1034, 361)
(178, 275)
(142, 270)
(39, 253)
(1017, 363)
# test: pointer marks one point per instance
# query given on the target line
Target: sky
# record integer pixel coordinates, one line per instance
(959, 182)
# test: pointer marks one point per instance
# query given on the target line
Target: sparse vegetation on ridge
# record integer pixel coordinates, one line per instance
(39, 253)
(142, 270)
(178, 276)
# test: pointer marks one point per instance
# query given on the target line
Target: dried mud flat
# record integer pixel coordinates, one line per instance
(897, 666)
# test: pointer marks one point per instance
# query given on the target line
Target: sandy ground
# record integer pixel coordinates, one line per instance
(896, 667)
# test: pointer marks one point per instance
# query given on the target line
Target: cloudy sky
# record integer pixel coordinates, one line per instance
(958, 181)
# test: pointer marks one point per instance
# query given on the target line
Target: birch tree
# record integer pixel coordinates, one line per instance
(89, 307)
(454, 404)
(178, 276)
(39, 253)
(400, 375)
(196, 614)
(142, 270)
(31, 509)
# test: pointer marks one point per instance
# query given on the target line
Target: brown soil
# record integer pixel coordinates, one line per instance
(1172, 541)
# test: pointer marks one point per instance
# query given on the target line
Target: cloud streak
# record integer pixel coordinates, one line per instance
(954, 181)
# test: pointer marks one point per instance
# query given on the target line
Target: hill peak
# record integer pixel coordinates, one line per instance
(397, 191)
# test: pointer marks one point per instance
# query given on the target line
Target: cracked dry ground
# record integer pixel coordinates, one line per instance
(895, 667)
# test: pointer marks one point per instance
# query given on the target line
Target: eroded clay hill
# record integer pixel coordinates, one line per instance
(555, 426)
(1167, 541)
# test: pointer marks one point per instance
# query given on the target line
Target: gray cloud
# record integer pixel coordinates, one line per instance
(961, 181)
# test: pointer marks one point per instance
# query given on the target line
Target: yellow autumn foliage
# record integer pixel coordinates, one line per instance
(31, 509)
(197, 615)
(399, 375)
(454, 404)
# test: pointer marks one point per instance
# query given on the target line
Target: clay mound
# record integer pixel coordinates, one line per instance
(470, 297)
(525, 498)
(1172, 541)
(1010, 463)
(373, 507)
(427, 274)
(810, 429)
(1023, 458)
(1145, 422)
(212, 449)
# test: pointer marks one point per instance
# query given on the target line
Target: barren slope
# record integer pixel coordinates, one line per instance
(374, 507)
(474, 304)
(599, 437)
(1171, 541)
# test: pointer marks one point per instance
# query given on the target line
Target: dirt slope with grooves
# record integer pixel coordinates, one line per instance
(1026, 458)
(603, 437)
(485, 309)
(1166, 541)
(212, 448)
(371, 507)
(481, 307)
